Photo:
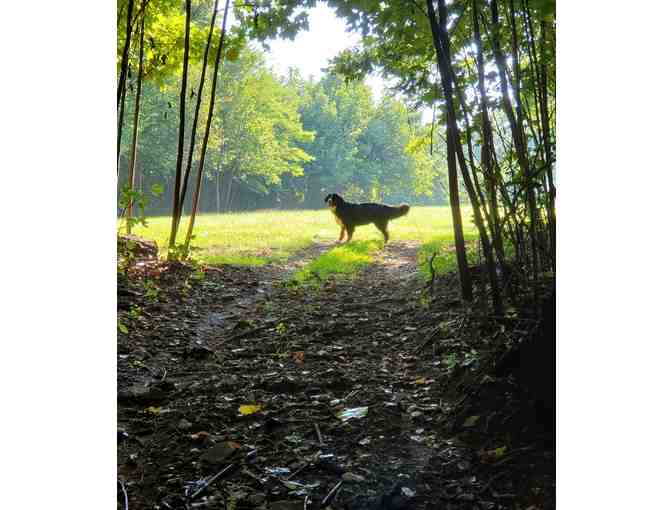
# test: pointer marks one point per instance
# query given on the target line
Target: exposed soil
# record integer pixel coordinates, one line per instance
(440, 429)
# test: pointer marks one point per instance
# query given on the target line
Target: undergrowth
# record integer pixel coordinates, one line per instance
(346, 259)
(445, 260)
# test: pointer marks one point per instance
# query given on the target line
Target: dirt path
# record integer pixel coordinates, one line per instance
(239, 337)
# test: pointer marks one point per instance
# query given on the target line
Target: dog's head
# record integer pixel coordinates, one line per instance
(333, 200)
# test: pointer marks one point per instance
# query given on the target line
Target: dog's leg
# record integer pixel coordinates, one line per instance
(340, 238)
(382, 226)
(351, 230)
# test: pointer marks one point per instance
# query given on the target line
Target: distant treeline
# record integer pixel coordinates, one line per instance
(284, 142)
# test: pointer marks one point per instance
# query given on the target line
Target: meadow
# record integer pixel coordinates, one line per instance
(260, 237)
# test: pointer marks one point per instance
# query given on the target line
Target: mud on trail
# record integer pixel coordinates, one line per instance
(375, 346)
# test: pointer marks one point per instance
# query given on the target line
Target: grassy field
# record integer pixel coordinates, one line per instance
(255, 238)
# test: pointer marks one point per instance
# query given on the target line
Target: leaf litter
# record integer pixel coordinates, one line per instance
(293, 391)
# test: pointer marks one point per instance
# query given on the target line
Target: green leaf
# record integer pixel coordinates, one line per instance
(121, 327)
(157, 189)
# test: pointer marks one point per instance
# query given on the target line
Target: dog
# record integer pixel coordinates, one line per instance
(350, 215)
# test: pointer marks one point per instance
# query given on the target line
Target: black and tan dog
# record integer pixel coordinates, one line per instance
(349, 215)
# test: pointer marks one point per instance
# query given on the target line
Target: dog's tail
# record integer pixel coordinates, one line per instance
(400, 211)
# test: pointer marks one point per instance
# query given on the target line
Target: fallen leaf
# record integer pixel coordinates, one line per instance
(299, 357)
(249, 409)
(154, 410)
(200, 436)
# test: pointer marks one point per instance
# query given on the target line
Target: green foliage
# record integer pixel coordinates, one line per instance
(139, 201)
(287, 140)
(445, 261)
(258, 130)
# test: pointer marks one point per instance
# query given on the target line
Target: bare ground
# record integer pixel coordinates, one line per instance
(243, 336)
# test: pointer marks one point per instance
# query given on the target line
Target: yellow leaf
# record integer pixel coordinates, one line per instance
(154, 410)
(249, 409)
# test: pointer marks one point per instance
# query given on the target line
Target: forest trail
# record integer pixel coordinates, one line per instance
(242, 336)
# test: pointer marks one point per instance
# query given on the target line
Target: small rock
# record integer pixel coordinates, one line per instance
(184, 424)
(352, 477)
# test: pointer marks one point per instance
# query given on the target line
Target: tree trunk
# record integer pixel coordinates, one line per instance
(545, 126)
(206, 134)
(124, 56)
(180, 136)
(192, 141)
(120, 125)
(471, 191)
(229, 191)
(133, 153)
(451, 142)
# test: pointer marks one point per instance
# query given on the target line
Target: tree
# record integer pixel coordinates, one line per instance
(204, 145)
(180, 135)
(136, 116)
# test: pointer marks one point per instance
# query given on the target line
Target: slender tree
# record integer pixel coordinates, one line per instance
(120, 125)
(192, 141)
(180, 135)
(124, 57)
(519, 140)
(121, 86)
(451, 142)
(133, 153)
(206, 134)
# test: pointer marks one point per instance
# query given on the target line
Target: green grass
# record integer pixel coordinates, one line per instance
(343, 260)
(445, 260)
(259, 237)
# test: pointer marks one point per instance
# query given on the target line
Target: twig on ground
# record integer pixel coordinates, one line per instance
(350, 395)
(332, 495)
(298, 471)
(432, 336)
(487, 485)
(123, 489)
(214, 477)
(319, 435)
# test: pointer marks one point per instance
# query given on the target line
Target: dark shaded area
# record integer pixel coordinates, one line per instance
(443, 427)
